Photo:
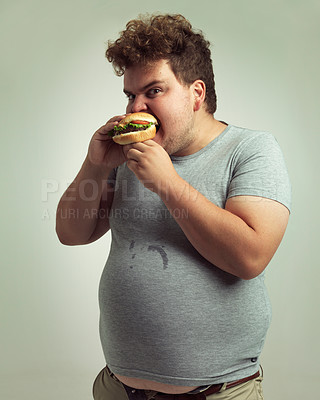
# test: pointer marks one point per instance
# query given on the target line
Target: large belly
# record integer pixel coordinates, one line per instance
(167, 322)
(151, 385)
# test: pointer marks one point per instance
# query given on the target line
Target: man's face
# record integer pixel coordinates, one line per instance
(157, 91)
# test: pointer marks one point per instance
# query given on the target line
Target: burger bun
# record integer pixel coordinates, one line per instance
(139, 135)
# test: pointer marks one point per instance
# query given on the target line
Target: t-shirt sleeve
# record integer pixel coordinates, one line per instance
(259, 170)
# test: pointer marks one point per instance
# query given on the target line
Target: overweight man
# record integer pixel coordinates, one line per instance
(195, 214)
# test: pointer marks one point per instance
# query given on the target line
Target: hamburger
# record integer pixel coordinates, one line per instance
(135, 127)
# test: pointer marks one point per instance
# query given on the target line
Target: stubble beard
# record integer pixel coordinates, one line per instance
(176, 144)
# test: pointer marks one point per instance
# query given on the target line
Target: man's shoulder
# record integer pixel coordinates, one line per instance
(247, 133)
(241, 138)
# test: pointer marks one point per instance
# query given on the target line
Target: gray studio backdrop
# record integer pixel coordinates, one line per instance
(56, 90)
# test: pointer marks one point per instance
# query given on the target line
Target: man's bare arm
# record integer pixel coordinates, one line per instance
(82, 213)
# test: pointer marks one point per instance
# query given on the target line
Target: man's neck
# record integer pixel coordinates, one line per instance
(207, 128)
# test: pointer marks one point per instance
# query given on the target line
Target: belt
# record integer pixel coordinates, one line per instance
(215, 388)
(211, 390)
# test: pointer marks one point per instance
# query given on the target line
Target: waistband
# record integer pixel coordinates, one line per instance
(138, 394)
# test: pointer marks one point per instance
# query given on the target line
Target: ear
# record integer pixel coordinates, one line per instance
(199, 93)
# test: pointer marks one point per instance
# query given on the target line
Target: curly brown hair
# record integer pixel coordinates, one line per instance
(152, 38)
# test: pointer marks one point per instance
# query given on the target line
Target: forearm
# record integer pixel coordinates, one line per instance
(221, 237)
(78, 209)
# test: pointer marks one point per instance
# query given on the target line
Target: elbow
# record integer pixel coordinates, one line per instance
(252, 262)
(70, 239)
(70, 242)
(252, 269)
(243, 269)
(67, 239)
(250, 274)
(66, 242)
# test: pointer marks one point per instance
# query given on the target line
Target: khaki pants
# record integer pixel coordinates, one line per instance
(107, 387)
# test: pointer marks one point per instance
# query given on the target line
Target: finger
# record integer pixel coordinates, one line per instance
(141, 146)
(150, 143)
(117, 118)
(132, 165)
(105, 129)
(102, 138)
(138, 146)
(110, 124)
(134, 154)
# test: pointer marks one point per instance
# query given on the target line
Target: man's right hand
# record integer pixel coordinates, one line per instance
(103, 151)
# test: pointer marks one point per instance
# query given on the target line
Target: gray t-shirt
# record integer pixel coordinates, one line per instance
(168, 314)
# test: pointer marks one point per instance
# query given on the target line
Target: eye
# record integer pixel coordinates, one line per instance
(130, 96)
(153, 92)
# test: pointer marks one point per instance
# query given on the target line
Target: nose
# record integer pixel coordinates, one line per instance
(138, 104)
